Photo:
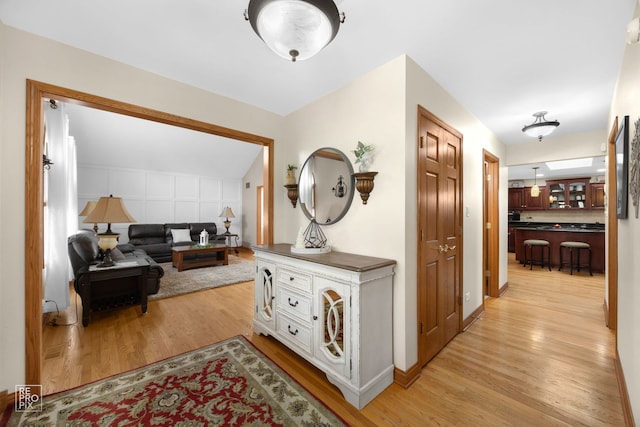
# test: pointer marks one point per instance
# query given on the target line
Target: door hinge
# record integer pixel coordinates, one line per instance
(421, 235)
(422, 142)
(421, 328)
(350, 365)
(487, 273)
(488, 177)
(488, 226)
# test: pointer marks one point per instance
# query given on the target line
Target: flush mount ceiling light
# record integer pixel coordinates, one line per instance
(541, 127)
(294, 29)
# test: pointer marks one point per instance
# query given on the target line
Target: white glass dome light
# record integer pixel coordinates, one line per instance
(541, 127)
(294, 29)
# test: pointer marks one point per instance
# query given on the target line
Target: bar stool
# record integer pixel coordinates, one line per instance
(579, 247)
(542, 244)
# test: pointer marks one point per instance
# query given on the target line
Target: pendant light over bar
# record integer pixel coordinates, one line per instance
(535, 190)
(294, 29)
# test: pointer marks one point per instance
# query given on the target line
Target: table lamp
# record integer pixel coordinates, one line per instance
(227, 213)
(87, 210)
(109, 210)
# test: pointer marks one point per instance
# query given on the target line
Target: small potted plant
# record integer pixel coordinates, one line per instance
(290, 179)
(364, 156)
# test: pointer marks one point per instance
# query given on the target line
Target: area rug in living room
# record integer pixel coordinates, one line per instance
(230, 383)
(177, 283)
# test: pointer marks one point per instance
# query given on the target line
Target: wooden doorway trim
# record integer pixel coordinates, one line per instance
(259, 215)
(34, 226)
(491, 218)
(611, 309)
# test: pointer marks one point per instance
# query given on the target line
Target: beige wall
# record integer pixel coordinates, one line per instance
(57, 64)
(574, 146)
(423, 90)
(626, 103)
(379, 108)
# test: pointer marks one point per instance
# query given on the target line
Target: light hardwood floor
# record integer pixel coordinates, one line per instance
(538, 355)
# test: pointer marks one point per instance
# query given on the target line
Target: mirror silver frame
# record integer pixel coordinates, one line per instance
(321, 183)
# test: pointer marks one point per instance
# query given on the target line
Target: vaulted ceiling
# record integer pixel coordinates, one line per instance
(502, 59)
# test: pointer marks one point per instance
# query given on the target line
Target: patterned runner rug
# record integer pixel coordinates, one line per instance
(230, 383)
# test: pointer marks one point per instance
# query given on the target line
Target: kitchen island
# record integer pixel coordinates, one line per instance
(593, 234)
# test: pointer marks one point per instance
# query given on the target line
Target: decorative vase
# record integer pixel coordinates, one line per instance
(365, 163)
(290, 179)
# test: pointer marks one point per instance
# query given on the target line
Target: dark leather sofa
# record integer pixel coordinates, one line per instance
(104, 289)
(156, 239)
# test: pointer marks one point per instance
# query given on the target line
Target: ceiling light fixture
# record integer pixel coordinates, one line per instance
(294, 29)
(541, 127)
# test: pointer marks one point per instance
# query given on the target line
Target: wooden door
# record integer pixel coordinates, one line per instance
(439, 234)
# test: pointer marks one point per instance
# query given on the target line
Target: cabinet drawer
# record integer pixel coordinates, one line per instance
(295, 279)
(295, 332)
(293, 303)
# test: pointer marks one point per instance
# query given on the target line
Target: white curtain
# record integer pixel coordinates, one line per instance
(61, 207)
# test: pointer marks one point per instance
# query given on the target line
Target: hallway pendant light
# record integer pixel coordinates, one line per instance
(294, 29)
(541, 127)
(535, 190)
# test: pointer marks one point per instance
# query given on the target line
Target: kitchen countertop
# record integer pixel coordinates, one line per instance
(545, 226)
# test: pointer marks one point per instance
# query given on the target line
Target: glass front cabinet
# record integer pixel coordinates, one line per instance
(568, 194)
(339, 318)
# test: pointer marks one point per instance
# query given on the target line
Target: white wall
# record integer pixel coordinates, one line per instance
(626, 103)
(153, 197)
(61, 65)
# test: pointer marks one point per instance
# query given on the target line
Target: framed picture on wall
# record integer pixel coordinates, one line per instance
(622, 168)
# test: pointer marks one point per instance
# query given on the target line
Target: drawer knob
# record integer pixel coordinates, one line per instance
(292, 332)
(292, 278)
(315, 317)
(293, 304)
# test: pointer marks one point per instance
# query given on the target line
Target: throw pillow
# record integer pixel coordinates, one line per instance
(181, 235)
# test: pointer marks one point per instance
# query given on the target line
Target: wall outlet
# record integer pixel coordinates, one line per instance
(467, 296)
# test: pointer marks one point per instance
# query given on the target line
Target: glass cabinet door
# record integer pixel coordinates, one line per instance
(557, 195)
(577, 194)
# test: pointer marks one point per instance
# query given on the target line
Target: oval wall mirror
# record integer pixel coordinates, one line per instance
(325, 185)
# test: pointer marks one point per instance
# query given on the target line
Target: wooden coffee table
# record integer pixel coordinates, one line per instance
(216, 255)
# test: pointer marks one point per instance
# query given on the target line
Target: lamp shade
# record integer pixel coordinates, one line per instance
(227, 213)
(109, 210)
(88, 208)
(294, 29)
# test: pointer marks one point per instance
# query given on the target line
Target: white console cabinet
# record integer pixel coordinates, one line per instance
(333, 309)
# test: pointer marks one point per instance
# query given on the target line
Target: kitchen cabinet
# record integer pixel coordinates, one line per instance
(516, 199)
(520, 199)
(569, 194)
(535, 203)
(596, 194)
(334, 310)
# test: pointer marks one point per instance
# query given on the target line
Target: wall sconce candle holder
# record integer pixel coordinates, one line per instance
(292, 193)
(364, 184)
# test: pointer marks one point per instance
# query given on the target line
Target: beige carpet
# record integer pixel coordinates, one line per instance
(177, 283)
